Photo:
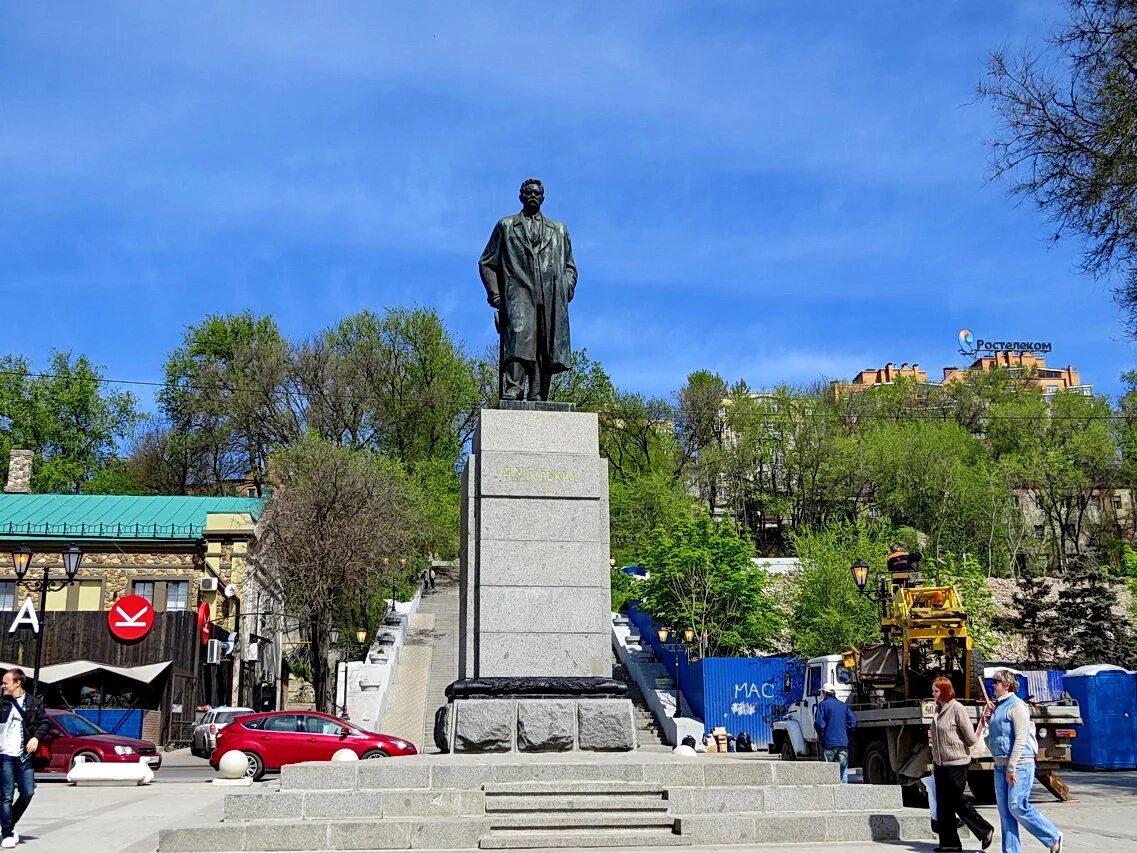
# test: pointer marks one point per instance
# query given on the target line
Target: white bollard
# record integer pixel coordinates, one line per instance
(233, 766)
(344, 754)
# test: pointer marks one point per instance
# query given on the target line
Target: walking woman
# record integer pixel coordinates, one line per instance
(1014, 747)
(952, 739)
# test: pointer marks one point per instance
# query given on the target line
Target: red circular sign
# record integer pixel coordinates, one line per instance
(203, 621)
(130, 618)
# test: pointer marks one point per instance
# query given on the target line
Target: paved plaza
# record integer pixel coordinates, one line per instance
(127, 820)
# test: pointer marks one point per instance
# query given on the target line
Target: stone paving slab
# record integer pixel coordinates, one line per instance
(405, 709)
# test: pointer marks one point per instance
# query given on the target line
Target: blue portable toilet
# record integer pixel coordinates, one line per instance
(1108, 699)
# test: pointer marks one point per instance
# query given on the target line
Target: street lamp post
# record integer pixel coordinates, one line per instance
(21, 562)
(333, 642)
(359, 644)
(860, 570)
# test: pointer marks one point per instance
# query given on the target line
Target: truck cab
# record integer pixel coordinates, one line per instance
(794, 734)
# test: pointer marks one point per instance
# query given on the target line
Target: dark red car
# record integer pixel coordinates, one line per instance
(273, 739)
(71, 735)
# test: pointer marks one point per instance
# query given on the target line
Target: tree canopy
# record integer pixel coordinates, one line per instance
(1069, 133)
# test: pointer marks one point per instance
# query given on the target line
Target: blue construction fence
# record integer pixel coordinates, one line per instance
(739, 694)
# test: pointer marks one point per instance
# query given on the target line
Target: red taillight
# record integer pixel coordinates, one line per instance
(212, 729)
(1065, 732)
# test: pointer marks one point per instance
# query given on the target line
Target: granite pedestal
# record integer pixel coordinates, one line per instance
(534, 581)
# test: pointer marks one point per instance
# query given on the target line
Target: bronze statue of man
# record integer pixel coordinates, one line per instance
(529, 275)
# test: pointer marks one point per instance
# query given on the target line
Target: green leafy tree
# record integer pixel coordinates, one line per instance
(586, 384)
(224, 404)
(701, 577)
(790, 462)
(67, 415)
(337, 531)
(1033, 617)
(700, 424)
(1060, 454)
(622, 587)
(1069, 138)
(647, 487)
(827, 615)
(1089, 629)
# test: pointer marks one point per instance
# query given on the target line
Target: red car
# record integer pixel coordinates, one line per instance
(71, 735)
(273, 739)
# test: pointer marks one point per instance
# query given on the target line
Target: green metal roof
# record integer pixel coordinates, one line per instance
(112, 516)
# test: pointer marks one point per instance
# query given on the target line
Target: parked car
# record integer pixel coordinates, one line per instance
(275, 738)
(213, 721)
(71, 736)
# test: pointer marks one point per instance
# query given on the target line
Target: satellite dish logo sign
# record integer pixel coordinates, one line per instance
(966, 341)
(970, 345)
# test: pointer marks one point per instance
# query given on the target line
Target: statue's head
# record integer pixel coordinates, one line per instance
(532, 195)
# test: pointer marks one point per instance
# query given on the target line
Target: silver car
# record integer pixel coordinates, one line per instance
(214, 720)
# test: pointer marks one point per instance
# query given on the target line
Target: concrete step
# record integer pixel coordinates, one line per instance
(805, 827)
(309, 836)
(832, 798)
(567, 802)
(585, 820)
(569, 786)
(506, 840)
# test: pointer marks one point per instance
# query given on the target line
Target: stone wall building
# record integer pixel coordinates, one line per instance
(188, 556)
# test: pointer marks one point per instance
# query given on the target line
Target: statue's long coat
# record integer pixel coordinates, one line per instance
(515, 269)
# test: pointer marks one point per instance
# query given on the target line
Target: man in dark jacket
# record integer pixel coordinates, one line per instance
(529, 274)
(833, 722)
(23, 724)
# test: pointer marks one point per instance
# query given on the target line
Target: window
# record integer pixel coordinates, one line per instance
(1117, 501)
(56, 600)
(77, 726)
(81, 595)
(814, 683)
(255, 725)
(320, 726)
(177, 595)
(283, 723)
(164, 595)
(7, 595)
(88, 596)
(1039, 531)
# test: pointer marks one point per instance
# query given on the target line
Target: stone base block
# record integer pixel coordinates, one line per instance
(536, 725)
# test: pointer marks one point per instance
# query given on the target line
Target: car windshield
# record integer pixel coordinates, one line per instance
(226, 717)
(77, 726)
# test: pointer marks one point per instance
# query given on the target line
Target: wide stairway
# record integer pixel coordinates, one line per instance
(512, 802)
(647, 730)
(428, 663)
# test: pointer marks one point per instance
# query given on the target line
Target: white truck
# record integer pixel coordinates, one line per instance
(890, 742)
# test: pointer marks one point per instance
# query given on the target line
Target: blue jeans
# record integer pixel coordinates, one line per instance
(14, 773)
(837, 755)
(1015, 809)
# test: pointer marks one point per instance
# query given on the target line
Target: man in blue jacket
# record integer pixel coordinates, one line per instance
(833, 721)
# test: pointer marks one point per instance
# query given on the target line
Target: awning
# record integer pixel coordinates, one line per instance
(58, 672)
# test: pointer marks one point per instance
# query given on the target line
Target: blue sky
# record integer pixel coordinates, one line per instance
(773, 191)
